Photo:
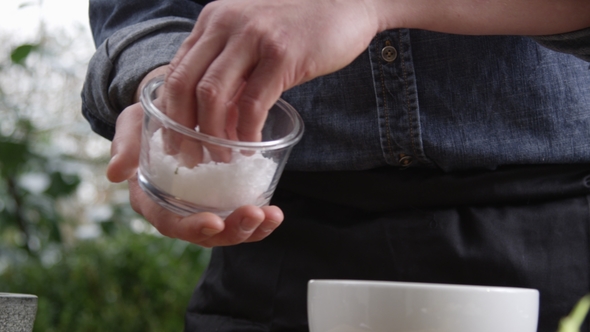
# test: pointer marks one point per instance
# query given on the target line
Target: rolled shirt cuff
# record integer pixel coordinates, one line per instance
(575, 42)
(120, 63)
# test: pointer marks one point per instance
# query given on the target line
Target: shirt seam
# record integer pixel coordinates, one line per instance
(407, 95)
(386, 110)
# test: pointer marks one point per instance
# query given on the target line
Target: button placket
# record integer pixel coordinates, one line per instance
(397, 99)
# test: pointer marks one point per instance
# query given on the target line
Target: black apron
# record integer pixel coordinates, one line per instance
(525, 226)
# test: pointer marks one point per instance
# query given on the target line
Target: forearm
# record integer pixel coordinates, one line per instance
(484, 17)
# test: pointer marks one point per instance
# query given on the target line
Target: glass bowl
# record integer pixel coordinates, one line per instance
(187, 171)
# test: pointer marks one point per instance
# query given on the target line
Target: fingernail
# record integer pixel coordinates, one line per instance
(248, 224)
(209, 231)
(266, 229)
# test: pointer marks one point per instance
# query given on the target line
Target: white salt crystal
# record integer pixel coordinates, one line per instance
(223, 186)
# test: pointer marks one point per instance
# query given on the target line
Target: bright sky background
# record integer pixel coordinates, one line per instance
(22, 17)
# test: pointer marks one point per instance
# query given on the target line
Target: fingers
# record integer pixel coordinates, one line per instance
(215, 65)
(180, 97)
(181, 103)
(221, 83)
(194, 36)
(126, 145)
(273, 219)
(242, 55)
(263, 89)
(246, 79)
(239, 226)
(245, 224)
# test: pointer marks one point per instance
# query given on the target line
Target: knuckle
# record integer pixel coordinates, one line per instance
(177, 81)
(237, 237)
(247, 133)
(208, 88)
(216, 15)
(253, 110)
(274, 47)
(271, 42)
(250, 104)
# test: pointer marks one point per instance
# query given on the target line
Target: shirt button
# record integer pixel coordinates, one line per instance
(405, 160)
(389, 53)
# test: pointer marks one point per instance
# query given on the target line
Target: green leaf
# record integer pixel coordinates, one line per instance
(575, 319)
(13, 155)
(62, 184)
(20, 53)
(25, 4)
(54, 231)
(108, 227)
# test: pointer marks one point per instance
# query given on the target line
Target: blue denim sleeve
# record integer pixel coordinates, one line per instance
(575, 42)
(132, 37)
(110, 16)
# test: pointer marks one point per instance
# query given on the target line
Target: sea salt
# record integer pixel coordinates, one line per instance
(223, 186)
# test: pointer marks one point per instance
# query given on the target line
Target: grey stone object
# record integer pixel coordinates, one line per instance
(17, 312)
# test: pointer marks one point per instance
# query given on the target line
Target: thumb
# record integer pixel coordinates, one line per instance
(126, 144)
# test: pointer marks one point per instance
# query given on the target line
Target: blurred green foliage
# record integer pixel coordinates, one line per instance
(29, 218)
(121, 281)
(125, 282)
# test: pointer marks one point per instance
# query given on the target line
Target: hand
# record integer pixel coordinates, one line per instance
(239, 58)
(245, 224)
(242, 54)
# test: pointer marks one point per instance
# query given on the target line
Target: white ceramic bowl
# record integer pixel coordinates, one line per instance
(379, 306)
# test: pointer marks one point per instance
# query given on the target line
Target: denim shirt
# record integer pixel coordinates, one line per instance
(413, 98)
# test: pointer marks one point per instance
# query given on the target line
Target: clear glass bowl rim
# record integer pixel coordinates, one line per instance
(289, 140)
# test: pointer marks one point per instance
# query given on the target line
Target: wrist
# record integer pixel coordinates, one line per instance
(162, 70)
(394, 14)
(470, 17)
